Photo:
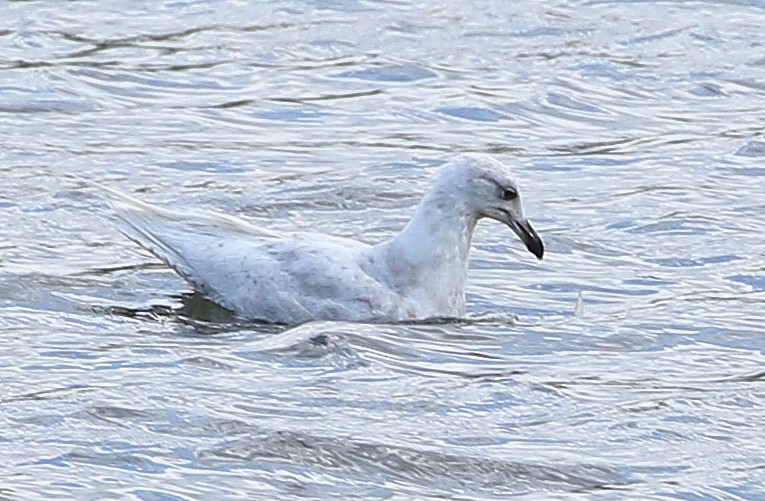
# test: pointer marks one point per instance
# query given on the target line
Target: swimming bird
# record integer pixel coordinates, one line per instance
(292, 278)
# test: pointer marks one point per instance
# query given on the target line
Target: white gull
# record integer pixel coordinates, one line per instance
(296, 277)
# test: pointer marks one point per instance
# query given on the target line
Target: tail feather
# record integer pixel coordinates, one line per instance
(199, 220)
(137, 229)
(169, 235)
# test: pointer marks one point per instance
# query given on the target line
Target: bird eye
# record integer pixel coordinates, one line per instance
(509, 193)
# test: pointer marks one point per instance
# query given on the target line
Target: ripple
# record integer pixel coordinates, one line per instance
(677, 262)
(348, 460)
(291, 115)
(127, 460)
(25, 100)
(471, 113)
(393, 73)
(755, 281)
(752, 149)
(221, 167)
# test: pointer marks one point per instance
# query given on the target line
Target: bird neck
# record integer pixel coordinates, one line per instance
(430, 256)
(439, 233)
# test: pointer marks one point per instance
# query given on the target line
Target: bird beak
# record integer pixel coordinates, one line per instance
(529, 236)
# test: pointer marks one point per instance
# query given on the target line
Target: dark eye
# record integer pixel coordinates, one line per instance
(508, 193)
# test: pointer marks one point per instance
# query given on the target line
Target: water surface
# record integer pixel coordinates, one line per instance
(636, 129)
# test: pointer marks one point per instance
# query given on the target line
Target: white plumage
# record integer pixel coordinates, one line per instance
(296, 277)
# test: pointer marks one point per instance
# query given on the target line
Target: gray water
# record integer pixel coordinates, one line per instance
(636, 129)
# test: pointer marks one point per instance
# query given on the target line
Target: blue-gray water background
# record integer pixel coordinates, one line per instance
(636, 128)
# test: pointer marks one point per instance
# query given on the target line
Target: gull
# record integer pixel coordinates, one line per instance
(291, 278)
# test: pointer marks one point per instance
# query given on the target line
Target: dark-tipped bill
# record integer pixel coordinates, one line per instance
(529, 236)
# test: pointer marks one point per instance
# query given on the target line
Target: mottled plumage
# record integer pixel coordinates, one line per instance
(296, 277)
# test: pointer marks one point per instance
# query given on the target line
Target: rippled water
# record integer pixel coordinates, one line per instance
(636, 129)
